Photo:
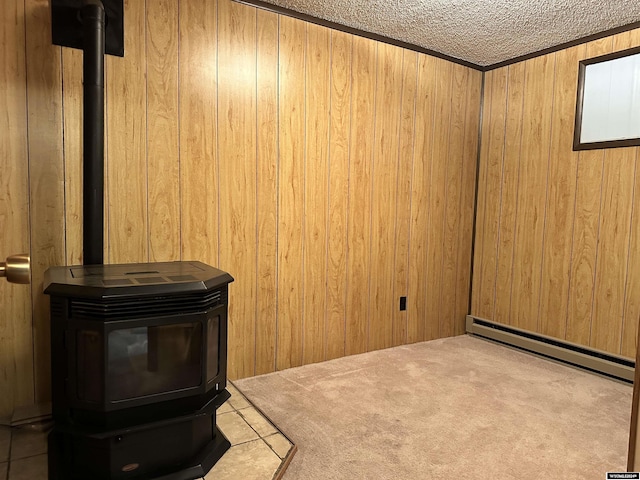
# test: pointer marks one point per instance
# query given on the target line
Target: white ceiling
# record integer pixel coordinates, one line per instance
(483, 32)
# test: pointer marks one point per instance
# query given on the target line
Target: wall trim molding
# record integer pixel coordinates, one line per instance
(354, 31)
(563, 46)
(434, 53)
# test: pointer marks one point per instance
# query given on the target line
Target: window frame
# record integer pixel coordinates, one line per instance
(577, 144)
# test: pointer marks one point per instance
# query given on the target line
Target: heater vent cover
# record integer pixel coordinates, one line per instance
(82, 308)
(57, 308)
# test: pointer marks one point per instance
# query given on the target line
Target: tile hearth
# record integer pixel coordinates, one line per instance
(259, 451)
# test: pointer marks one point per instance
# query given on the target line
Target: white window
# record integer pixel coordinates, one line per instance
(608, 108)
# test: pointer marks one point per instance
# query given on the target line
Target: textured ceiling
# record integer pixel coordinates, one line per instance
(483, 32)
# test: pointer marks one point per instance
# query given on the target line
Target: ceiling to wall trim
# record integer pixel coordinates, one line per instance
(562, 46)
(410, 46)
(354, 31)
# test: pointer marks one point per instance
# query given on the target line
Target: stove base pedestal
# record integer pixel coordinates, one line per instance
(180, 449)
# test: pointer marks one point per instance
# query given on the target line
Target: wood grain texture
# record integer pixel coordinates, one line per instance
(73, 153)
(162, 131)
(339, 161)
(420, 187)
(316, 191)
(304, 161)
(492, 193)
(237, 170)
(468, 196)
(383, 205)
(448, 321)
(126, 141)
(628, 39)
(571, 272)
(437, 194)
(478, 256)
(46, 175)
(291, 191)
(16, 334)
(534, 160)
(613, 249)
(585, 235)
(403, 204)
(267, 190)
(631, 315)
(563, 163)
(198, 130)
(509, 189)
(632, 287)
(360, 177)
(586, 230)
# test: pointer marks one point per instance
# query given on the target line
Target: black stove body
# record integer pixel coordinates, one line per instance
(138, 360)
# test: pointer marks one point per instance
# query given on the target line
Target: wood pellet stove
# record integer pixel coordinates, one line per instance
(138, 370)
(138, 351)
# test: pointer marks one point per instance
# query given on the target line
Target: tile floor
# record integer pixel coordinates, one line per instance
(259, 451)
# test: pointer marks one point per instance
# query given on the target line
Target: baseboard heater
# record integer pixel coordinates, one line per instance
(614, 366)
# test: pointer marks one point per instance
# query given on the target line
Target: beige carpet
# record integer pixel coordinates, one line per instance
(460, 408)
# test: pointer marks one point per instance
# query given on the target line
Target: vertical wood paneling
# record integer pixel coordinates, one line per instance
(534, 160)
(470, 161)
(631, 313)
(339, 159)
(46, 175)
(585, 233)
(632, 288)
(73, 153)
(316, 190)
(437, 194)
(16, 335)
(481, 201)
(237, 167)
(563, 163)
(126, 138)
(162, 131)
(198, 134)
(452, 211)
(383, 206)
(420, 188)
(612, 273)
(267, 171)
(403, 205)
(613, 263)
(328, 173)
(291, 191)
(571, 271)
(509, 189)
(360, 173)
(613, 245)
(557, 229)
(492, 201)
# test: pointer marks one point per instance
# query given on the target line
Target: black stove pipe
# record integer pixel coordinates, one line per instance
(93, 31)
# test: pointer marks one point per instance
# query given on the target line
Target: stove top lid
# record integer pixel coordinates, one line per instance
(133, 278)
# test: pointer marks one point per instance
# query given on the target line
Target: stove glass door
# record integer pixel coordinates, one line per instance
(151, 360)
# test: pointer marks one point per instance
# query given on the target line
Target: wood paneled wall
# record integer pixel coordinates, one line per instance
(328, 173)
(558, 232)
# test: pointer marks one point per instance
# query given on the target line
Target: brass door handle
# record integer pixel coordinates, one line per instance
(17, 268)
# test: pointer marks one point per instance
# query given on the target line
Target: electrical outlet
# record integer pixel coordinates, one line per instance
(403, 303)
